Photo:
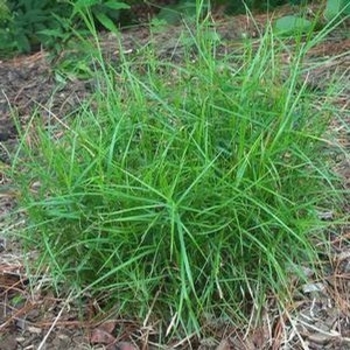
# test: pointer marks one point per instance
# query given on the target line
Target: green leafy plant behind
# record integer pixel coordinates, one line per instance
(289, 25)
(106, 12)
(26, 25)
(335, 8)
(22, 32)
(50, 22)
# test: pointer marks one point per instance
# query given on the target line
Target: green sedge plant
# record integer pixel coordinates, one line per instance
(185, 190)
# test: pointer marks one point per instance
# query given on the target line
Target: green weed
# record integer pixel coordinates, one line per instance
(183, 191)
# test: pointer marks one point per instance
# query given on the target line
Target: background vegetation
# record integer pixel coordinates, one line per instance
(27, 25)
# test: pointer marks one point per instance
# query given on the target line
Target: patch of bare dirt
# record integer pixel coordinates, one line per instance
(30, 318)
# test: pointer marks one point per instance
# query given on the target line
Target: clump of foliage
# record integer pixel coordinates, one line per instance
(186, 190)
(49, 23)
(21, 30)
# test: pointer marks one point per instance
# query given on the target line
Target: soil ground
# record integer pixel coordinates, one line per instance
(31, 317)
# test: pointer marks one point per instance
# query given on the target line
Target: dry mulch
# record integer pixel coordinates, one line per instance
(32, 317)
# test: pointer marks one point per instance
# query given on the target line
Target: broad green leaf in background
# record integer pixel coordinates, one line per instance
(81, 4)
(346, 7)
(174, 14)
(336, 7)
(106, 21)
(289, 25)
(115, 5)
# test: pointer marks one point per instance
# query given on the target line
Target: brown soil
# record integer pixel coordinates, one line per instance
(30, 318)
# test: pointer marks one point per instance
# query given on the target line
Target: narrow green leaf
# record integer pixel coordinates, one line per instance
(106, 21)
(80, 4)
(116, 5)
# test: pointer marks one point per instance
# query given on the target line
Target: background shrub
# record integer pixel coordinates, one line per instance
(30, 24)
(49, 23)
